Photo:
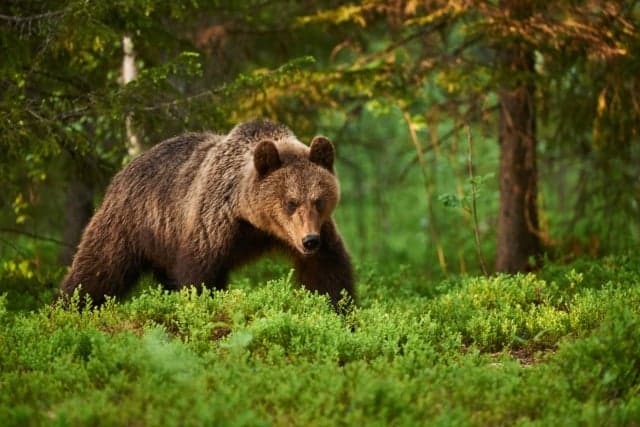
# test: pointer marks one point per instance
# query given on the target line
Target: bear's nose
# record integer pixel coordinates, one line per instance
(311, 242)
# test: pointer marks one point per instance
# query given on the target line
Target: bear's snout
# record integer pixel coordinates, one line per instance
(311, 242)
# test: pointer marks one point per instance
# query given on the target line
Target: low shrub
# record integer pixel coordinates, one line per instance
(556, 348)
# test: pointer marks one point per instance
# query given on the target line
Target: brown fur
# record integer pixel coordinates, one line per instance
(195, 207)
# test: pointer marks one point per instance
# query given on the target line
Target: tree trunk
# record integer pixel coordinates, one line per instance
(518, 236)
(129, 73)
(78, 211)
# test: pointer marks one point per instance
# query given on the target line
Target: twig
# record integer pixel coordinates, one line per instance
(45, 15)
(13, 246)
(427, 191)
(35, 236)
(398, 43)
(451, 133)
(474, 210)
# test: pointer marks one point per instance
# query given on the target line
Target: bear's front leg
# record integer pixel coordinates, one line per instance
(190, 272)
(329, 270)
(194, 266)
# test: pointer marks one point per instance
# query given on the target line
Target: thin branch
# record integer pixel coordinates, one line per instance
(19, 19)
(452, 132)
(427, 192)
(403, 41)
(179, 101)
(474, 209)
(35, 236)
(13, 246)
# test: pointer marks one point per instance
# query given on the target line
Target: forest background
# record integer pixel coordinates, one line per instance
(473, 138)
(468, 133)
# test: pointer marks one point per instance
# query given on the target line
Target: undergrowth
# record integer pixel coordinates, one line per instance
(557, 348)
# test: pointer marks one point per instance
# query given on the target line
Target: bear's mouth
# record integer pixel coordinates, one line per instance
(305, 251)
(308, 252)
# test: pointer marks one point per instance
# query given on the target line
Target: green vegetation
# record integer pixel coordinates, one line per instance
(415, 96)
(557, 348)
(395, 85)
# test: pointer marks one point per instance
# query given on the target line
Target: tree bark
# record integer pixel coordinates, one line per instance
(78, 211)
(518, 240)
(129, 73)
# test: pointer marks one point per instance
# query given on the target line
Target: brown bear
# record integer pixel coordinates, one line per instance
(194, 207)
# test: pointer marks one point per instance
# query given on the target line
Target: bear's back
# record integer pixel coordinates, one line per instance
(165, 166)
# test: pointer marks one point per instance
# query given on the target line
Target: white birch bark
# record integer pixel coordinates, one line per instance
(129, 73)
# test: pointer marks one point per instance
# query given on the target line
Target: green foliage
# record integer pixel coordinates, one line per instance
(554, 349)
(26, 285)
(392, 84)
(466, 202)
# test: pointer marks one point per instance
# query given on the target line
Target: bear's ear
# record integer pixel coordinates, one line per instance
(266, 158)
(322, 152)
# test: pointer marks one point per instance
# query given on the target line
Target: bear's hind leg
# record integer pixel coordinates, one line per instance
(100, 273)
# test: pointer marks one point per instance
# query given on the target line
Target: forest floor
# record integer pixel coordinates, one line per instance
(560, 347)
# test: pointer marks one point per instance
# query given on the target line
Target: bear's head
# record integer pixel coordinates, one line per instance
(294, 194)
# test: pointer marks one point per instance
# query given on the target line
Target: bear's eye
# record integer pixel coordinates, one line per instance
(291, 206)
(319, 204)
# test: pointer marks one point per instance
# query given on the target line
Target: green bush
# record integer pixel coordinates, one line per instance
(556, 348)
